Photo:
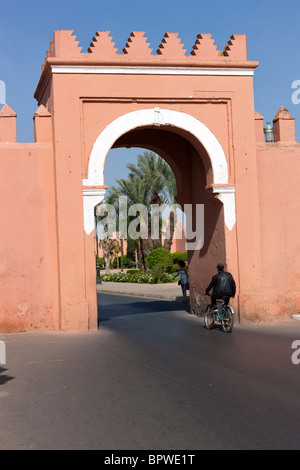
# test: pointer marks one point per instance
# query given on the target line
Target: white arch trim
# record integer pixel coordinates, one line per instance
(142, 118)
(150, 117)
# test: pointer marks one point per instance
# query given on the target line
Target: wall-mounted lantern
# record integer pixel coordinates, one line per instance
(269, 133)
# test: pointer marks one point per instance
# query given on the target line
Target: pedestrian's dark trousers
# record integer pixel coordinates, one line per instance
(214, 299)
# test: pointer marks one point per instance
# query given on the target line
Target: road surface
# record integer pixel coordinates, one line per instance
(151, 378)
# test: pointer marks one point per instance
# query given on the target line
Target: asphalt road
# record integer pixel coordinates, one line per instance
(152, 378)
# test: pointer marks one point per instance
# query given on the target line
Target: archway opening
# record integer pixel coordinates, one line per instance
(191, 165)
(143, 177)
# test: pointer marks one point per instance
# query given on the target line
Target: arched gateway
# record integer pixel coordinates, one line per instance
(147, 118)
(197, 112)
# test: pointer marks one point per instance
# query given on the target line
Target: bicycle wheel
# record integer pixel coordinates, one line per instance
(209, 317)
(227, 319)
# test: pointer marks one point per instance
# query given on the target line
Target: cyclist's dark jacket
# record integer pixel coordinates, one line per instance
(223, 285)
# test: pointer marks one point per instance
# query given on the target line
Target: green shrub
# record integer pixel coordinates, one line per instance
(158, 271)
(165, 278)
(179, 256)
(159, 257)
(174, 268)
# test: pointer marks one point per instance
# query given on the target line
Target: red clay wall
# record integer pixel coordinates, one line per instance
(278, 179)
(28, 243)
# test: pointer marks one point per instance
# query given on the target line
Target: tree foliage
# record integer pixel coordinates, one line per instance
(150, 181)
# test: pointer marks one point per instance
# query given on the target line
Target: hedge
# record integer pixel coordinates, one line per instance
(138, 277)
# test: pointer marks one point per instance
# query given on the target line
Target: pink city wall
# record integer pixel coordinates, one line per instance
(197, 112)
(28, 240)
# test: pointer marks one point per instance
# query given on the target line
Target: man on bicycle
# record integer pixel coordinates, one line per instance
(223, 286)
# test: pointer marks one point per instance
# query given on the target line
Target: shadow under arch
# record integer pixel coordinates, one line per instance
(183, 158)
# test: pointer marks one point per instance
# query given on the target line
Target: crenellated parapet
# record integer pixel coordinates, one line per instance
(66, 45)
(42, 121)
(283, 127)
(66, 52)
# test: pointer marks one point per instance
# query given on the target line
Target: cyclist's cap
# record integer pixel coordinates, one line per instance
(220, 267)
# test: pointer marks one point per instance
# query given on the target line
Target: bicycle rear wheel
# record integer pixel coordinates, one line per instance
(209, 317)
(227, 320)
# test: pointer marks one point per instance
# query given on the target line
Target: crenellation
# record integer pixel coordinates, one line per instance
(205, 47)
(8, 124)
(137, 45)
(284, 126)
(49, 53)
(259, 127)
(42, 125)
(236, 48)
(64, 44)
(171, 47)
(102, 45)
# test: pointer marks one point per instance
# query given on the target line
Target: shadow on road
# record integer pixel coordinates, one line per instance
(4, 378)
(110, 308)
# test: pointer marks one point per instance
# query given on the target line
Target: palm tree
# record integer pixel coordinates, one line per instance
(151, 181)
(137, 192)
(105, 245)
(160, 178)
(171, 192)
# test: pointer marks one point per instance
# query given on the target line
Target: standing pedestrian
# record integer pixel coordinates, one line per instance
(184, 279)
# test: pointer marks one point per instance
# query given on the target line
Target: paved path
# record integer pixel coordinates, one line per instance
(170, 291)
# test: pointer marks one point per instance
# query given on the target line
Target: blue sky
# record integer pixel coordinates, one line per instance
(272, 28)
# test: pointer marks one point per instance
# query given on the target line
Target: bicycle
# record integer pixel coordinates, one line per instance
(225, 316)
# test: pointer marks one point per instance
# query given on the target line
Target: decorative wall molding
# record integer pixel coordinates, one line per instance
(154, 70)
(91, 197)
